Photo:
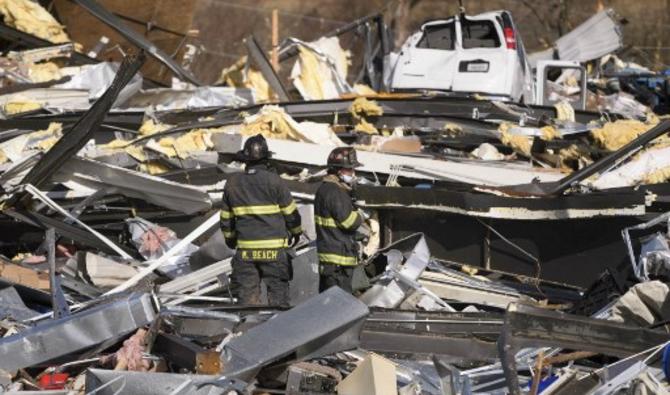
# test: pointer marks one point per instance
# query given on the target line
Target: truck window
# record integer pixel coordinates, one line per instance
(479, 34)
(438, 37)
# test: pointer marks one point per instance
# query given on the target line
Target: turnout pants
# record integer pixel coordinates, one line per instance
(339, 275)
(248, 273)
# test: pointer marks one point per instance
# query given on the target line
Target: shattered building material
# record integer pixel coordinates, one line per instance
(50, 339)
(273, 123)
(164, 99)
(126, 181)
(300, 330)
(83, 129)
(453, 286)
(654, 250)
(12, 306)
(29, 17)
(34, 99)
(416, 167)
(96, 79)
(239, 75)
(177, 248)
(103, 272)
(321, 69)
(90, 176)
(651, 166)
(604, 37)
(263, 64)
(544, 189)
(531, 327)
(614, 135)
(398, 277)
(25, 276)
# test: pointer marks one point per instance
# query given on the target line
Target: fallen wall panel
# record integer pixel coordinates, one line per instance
(54, 338)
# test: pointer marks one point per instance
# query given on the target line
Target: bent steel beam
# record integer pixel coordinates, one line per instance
(136, 39)
(263, 64)
(527, 326)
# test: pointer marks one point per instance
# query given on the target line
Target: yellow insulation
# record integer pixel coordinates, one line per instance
(271, 122)
(614, 135)
(182, 146)
(43, 72)
(362, 107)
(30, 17)
(239, 76)
(153, 167)
(150, 127)
(310, 73)
(549, 133)
(365, 127)
(520, 144)
(19, 106)
(658, 176)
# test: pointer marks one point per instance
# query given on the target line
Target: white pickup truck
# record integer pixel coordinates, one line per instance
(481, 54)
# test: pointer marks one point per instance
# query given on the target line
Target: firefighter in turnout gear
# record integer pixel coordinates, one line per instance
(260, 220)
(336, 221)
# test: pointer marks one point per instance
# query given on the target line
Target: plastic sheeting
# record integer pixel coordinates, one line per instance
(152, 241)
(97, 78)
(206, 96)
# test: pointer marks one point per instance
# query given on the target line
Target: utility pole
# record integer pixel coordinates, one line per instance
(275, 40)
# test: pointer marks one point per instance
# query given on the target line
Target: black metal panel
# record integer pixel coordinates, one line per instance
(573, 251)
(443, 199)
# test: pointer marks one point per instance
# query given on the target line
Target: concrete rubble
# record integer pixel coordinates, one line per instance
(510, 247)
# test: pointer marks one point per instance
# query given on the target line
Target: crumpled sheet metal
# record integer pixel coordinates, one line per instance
(391, 292)
(326, 323)
(96, 79)
(54, 338)
(80, 172)
(165, 99)
(148, 383)
(597, 36)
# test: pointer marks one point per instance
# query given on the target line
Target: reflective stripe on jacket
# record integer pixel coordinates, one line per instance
(336, 222)
(258, 210)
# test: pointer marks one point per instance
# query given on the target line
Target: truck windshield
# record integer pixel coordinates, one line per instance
(479, 34)
(438, 37)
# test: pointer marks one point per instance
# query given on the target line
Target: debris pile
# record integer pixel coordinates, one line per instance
(489, 257)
